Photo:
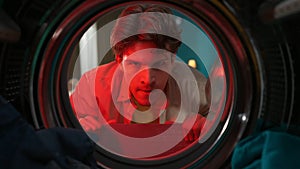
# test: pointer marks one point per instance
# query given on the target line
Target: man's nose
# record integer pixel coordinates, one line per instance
(147, 76)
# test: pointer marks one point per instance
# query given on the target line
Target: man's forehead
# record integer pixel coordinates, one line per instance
(147, 55)
(138, 46)
(146, 51)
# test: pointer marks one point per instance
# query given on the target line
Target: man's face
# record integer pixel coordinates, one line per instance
(145, 68)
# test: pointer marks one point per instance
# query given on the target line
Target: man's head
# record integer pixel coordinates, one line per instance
(145, 23)
(145, 40)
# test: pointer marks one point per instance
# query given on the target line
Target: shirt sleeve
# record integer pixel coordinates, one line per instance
(191, 86)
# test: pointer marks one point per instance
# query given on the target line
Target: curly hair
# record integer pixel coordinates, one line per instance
(145, 23)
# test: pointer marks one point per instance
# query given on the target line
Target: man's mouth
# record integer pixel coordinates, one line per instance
(147, 91)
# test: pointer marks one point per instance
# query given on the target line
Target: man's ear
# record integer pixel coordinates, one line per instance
(119, 58)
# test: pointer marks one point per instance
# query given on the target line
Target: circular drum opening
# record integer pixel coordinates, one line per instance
(174, 90)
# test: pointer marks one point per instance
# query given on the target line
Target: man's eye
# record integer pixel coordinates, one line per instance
(161, 63)
(133, 64)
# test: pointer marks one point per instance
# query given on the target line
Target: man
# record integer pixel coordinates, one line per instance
(145, 83)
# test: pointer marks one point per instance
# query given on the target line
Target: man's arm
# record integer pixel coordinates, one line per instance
(198, 104)
(84, 103)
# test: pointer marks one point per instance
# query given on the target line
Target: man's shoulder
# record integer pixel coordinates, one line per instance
(184, 72)
(102, 70)
(105, 69)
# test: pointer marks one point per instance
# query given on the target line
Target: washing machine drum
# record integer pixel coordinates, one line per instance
(244, 61)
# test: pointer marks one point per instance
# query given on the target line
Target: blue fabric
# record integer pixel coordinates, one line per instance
(23, 147)
(267, 150)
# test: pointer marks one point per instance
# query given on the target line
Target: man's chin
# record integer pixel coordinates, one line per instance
(145, 104)
(142, 100)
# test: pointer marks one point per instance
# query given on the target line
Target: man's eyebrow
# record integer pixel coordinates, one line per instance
(163, 59)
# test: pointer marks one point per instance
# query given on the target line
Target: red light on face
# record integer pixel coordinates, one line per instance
(141, 66)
